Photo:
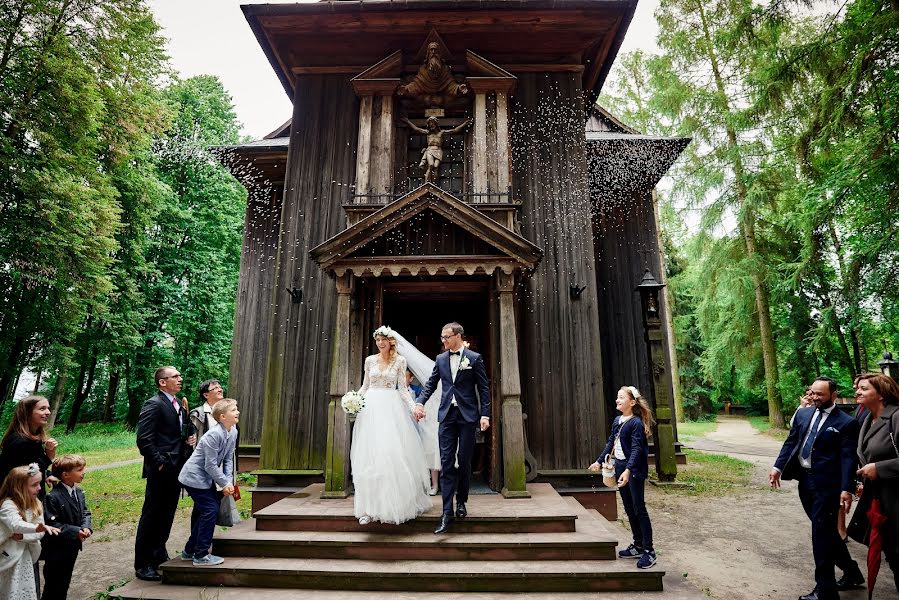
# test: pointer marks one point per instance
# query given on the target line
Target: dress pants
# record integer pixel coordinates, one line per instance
(455, 433)
(156, 517)
(822, 506)
(633, 499)
(58, 575)
(207, 501)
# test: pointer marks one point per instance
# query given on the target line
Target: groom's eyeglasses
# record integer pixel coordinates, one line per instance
(443, 338)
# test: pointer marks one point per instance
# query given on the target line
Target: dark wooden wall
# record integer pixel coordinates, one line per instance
(561, 362)
(320, 169)
(626, 244)
(253, 315)
(426, 234)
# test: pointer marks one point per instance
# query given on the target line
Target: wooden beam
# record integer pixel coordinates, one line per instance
(363, 146)
(383, 177)
(503, 171)
(479, 177)
(544, 67)
(337, 460)
(514, 480)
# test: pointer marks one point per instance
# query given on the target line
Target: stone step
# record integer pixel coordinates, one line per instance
(489, 513)
(675, 589)
(588, 542)
(433, 576)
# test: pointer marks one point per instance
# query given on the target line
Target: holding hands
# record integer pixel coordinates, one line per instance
(419, 412)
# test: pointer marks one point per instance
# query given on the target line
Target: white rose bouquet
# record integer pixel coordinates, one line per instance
(352, 402)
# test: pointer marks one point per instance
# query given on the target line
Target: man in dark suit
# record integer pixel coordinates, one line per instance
(462, 376)
(163, 440)
(819, 453)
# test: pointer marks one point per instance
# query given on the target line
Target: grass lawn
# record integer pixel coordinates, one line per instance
(695, 429)
(763, 426)
(116, 495)
(711, 474)
(98, 443)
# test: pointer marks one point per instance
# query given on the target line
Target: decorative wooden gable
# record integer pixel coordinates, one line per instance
(427, 231)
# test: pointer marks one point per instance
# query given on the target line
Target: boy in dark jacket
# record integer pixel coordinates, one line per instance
(66, 508)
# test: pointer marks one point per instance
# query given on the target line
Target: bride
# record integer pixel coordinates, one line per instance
(390, 474)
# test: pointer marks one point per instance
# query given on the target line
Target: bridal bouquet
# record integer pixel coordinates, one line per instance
(352, 402)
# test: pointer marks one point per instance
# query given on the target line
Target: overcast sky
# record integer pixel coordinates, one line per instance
(212, 37)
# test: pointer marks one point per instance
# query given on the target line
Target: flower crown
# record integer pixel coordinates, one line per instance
(384, 331)
(33, 469)
(634, 392)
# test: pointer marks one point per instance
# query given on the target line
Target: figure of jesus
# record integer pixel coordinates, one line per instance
(432, 156)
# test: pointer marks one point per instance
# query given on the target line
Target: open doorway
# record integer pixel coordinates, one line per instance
(420, 309)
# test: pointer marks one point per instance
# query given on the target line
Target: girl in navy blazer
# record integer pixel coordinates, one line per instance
(629, 447)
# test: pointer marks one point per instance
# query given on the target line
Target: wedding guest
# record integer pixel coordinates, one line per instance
(66, 508)
(818, 455)
(26, 441)
(630, 448)
(21, 528)
(162, 439)
(879, 455)
(211, 391)
(202, 473)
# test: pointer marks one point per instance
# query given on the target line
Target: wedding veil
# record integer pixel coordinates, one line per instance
(420, 365)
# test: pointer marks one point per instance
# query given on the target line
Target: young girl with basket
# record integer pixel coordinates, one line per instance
(627, 451)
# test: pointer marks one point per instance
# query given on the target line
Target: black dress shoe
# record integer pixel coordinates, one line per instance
(851, 580)
(461, 511)
(445, 522)
(148, 574)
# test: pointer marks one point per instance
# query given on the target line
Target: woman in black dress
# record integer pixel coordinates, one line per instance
(26, 441)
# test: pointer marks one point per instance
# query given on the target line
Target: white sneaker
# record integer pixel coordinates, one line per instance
(364, 520)
(432, 491)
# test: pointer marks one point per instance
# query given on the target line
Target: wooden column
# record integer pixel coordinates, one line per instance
(479, 178)
(337, 463)
(363, 145)
(514, 484)
(383, 152)
(503, 166)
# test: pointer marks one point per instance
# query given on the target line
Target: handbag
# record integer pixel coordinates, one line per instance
(228, 515)
(608, 472)
(859, 528)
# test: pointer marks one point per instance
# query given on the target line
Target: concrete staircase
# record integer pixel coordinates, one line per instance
(304, 545)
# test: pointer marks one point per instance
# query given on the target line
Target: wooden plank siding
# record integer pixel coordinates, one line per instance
(561, 370)
(626, 238)
(320, 167)
(253, 308)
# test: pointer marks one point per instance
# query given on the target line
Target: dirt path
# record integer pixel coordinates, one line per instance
(752, 544)
(749, 545)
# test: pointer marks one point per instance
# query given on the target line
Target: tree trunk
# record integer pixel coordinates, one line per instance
(747, 217)
(37, 381)
(83, 393)
(58, 395)
(11, 369)
(111, 392)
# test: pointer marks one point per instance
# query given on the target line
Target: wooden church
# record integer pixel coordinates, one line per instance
(445, 161)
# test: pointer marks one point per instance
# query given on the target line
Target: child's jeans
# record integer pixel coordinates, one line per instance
(201, 532)
(635, 507)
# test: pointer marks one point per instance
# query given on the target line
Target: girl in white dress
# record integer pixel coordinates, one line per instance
(390, 474)
(21, 529)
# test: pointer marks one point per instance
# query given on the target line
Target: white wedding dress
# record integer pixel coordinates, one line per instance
(390, 474)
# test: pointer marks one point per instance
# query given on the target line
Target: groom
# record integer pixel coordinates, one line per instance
(460, 371)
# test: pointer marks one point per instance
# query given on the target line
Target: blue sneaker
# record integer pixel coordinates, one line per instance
(631, 552)
(208, 561)
(185, 555)
(647, 560)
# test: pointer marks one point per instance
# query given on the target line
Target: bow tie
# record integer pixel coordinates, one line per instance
(457, 353)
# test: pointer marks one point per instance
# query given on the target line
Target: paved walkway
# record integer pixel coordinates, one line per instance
(736, 437)
(113, 465)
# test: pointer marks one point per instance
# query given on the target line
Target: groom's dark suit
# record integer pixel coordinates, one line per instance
(458, 415)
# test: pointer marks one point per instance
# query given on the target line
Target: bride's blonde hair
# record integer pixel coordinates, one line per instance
(641, 408)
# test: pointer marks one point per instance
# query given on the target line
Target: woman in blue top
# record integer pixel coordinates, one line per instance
(630, 449)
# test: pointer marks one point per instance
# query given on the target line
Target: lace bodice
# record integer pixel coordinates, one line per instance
(392, 378)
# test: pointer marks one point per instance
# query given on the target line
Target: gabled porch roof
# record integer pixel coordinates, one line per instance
(513, 251)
